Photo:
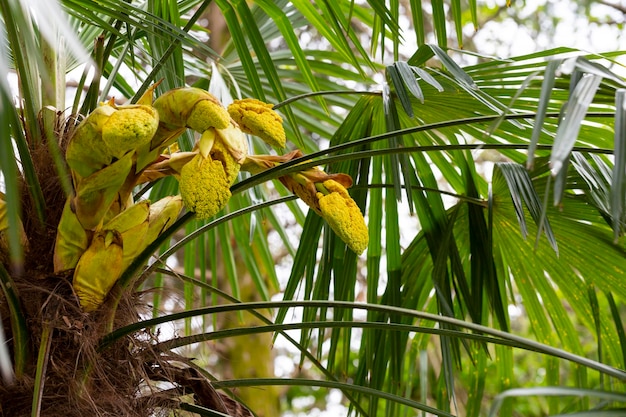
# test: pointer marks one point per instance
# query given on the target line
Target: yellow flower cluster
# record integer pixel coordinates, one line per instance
(343, 216)
(325, 193)
(208, 113)
(190, 107)
(205, 181)
(258, 118)
(129, 128)
(204, 186)
(109, 132)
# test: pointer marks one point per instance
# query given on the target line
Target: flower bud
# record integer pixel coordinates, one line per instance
(259, 119)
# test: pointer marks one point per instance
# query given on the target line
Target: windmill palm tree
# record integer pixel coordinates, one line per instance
(420, 322)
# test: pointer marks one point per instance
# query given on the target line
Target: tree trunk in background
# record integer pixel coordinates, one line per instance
(219, 34)
(252, 356)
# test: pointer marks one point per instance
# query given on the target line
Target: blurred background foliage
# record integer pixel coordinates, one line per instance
(482, 140)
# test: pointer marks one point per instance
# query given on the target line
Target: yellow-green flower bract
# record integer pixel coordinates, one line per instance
(235, 141)
(344, 216)
(128, 128)
(71, 241)
(132, 224)
(98, 269)
(86, 152)
(220, 152)
(259, 119)
(204, 186)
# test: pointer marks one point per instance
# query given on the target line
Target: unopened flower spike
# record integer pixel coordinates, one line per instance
(258, 118)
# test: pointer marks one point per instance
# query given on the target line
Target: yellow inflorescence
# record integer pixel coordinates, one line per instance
(258, 118)
(128, 128)
(344, 216)
(204, 186)
(325, 193)
(191, 107)
(208, 113)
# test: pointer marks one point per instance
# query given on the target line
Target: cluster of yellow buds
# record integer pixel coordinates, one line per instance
(205, 180)
(342, 214)
(102, 230)
(259, 119)
(206, 173)
(326, 194)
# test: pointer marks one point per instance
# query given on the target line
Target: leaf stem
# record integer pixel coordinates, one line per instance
(522, 342)
(324, 93)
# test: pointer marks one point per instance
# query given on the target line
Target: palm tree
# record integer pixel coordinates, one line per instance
(469, 278)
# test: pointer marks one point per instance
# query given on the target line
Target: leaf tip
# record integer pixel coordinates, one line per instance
(555, 167)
